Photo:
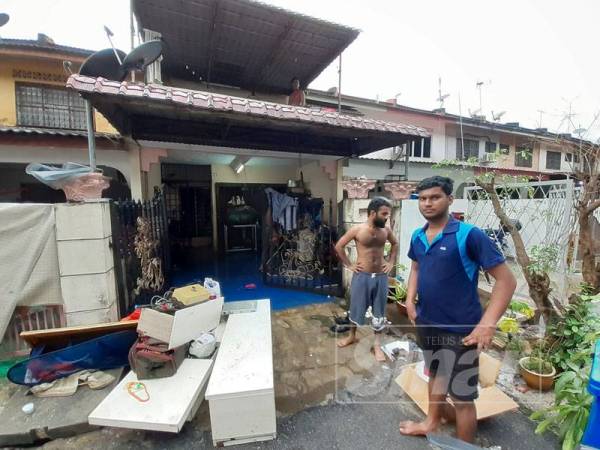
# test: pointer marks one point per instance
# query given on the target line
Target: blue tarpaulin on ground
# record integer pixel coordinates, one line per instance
(102, 353)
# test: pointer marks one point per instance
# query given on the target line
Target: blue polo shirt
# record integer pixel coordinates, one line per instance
(448, 274)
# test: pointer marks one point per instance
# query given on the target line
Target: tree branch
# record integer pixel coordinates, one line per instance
(594, 206)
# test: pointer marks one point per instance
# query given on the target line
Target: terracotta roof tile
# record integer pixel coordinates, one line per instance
(225, 103)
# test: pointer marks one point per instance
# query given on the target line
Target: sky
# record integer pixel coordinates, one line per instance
(531, 55)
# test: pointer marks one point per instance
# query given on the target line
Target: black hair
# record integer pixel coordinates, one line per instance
(294, 79)
(447, 184)
(377, 203)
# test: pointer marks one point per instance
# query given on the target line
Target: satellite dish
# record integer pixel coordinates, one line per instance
(104, 64)
(4, 19)
(143, 55)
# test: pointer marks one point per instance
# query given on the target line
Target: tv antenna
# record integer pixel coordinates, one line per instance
(479, 86)
(441, 97)
(474, 114)
(114, 64)
(542, 112)
(109, 35)
(568, 117)
(496, 117)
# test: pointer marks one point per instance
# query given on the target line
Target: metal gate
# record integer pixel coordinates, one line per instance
(304, 259)
(124, 215)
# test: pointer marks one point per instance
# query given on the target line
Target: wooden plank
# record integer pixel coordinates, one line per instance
(59, 335)
(169, 400)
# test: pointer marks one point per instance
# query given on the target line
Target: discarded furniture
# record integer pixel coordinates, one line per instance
(162, 404)
(183, 326)
(241, 392)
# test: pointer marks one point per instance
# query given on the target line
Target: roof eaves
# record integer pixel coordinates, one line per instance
(229, 104)
(34, 44)
(57, 132)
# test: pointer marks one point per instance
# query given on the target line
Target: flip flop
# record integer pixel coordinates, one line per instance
(339, 328)
(341, 320)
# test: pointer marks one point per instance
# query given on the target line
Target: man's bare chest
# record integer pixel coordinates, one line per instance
(372, 238)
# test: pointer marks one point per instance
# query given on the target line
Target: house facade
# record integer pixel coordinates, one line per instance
(42, 121)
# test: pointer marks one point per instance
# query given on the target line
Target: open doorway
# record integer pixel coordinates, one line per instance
(187, 191)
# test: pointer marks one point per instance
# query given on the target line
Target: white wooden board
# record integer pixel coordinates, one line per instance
(245, 360)
(170, 400)
(186, 325)
(241, 392)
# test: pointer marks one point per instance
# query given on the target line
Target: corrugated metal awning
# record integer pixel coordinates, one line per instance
(242, 43)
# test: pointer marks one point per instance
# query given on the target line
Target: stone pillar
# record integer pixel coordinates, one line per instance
(137, 182)
(86, 263)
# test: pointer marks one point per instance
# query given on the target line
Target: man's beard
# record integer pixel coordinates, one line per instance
(379, 223)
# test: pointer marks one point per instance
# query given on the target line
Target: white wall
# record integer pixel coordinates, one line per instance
(411, 219)
(321, 186)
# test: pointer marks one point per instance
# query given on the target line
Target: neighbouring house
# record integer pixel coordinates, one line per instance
(42, 121)
(514, 150)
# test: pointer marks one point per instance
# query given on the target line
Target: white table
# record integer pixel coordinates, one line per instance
(171, 401)
(241, 392)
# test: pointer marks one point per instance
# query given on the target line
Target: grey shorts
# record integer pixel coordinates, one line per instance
(368, 289)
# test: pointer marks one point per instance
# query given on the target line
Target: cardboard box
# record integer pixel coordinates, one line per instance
(191, 294)
(491, 402)
(184, 326)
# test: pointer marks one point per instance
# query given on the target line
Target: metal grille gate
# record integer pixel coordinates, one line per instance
(124, 215)
(305, 261)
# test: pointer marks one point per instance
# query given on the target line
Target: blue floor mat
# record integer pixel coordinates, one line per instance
(237, 270)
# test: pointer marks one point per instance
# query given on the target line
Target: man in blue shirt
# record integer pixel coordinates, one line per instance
(443, 302)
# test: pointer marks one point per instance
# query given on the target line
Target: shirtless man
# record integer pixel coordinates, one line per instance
(370, 279)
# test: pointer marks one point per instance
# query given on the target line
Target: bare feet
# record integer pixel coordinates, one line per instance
(379, 355)
(417, 428)
(347, 341)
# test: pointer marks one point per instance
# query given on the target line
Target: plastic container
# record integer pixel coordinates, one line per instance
(213, 287)
(591, 437)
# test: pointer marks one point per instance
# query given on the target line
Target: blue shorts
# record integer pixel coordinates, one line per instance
(368, 289)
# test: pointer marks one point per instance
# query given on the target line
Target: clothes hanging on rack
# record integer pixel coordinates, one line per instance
(313, 207)
(284, 209)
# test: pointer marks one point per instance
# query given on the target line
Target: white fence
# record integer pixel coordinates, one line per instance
(544, 212)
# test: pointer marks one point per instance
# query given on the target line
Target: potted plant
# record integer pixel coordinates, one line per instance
(397, 295)
(537, 371)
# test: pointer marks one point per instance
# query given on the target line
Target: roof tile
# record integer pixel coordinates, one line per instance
(219, 102)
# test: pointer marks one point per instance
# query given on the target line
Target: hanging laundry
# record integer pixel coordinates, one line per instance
(313, 207)
(284, 208)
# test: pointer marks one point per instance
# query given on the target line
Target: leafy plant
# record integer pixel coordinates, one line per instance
(398, 294)
(577, 331)
(571, 410)
(574, 337)
(538, 365)
(543, 258)
(522, 308)
(508, 325)
(516, 345)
